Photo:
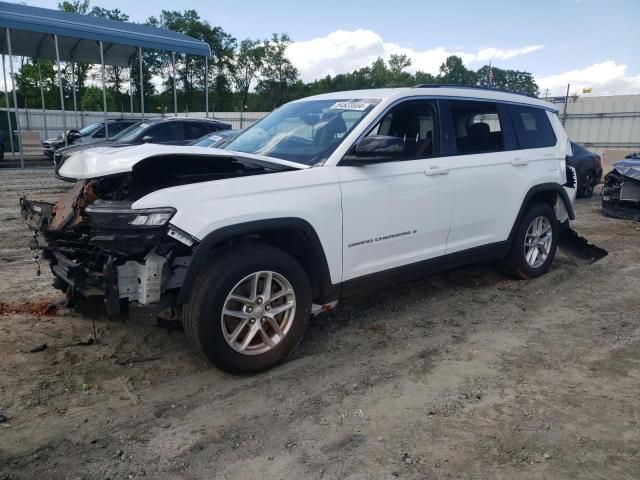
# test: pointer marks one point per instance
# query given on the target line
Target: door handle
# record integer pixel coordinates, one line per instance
(519, 162)
(436, 171)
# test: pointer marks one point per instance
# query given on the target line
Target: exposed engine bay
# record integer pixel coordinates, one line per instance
(97, 245)
(621, 192)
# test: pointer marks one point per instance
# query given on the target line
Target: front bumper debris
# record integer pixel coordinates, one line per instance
(621, 194)
(143, 270)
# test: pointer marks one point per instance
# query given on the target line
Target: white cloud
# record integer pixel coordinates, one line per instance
(344, 51)
(605, 78)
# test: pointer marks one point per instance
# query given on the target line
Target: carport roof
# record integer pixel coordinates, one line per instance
(32, 30)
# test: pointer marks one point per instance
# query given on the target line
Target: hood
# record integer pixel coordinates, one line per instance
(77, 147)
(628, 167)
(101, 161)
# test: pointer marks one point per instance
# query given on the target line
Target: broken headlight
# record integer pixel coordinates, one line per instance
(111, 216)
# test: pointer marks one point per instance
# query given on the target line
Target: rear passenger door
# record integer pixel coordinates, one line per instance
(487, 185)
(500, 151)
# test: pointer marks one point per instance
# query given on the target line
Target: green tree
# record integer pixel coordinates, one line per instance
(397, 65)
(512, 80)
(278, 73)
(249, 61)
(454, 72)
(92, 100)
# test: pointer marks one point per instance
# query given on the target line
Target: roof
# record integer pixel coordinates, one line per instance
(182, 119)
(32, 30)
(391, 94)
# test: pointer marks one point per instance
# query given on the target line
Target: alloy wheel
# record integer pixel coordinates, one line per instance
(537, 242)
(258, 312)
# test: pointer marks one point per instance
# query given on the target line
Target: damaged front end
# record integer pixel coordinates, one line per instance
(97, 245)
(621, 192)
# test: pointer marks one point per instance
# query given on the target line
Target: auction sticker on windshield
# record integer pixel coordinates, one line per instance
(355, 105)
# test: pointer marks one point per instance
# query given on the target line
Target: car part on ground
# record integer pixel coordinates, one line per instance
(588, 167)
(621, 192)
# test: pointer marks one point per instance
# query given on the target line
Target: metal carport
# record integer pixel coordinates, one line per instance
(61, 36)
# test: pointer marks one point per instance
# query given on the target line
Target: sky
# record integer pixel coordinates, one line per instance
(588, 43)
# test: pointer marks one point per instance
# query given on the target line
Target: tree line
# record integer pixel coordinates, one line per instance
(251, 74)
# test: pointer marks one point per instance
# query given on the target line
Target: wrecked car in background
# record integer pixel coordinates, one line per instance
(621, 191)
(324, 198)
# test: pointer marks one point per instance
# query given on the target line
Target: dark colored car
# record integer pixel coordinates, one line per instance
(170, 131)
(588, 167)
(92, 133)
(215, 140)
(621, 191)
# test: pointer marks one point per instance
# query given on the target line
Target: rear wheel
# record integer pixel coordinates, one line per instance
(587, 183)
(249, 308)
(1, 152)
(535, 243)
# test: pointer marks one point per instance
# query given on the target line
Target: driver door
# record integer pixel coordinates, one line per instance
(398, 212)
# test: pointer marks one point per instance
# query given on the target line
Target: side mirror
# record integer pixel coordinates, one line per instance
(375, 149)
(147, 139)
(72, 135)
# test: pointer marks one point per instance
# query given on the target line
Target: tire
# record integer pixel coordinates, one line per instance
(1, 152)
(517, 264)
(586, 183)
(209, 330)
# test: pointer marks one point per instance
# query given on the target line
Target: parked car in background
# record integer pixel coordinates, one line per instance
(621, 191)
(90, 134)
(170, 131)
(588, 167)
(215, 140)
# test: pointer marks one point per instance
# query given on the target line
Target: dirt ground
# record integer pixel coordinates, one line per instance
(463, 375)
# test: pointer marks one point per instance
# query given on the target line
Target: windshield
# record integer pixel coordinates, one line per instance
(304, 132)
(89, 129)
(129, 134)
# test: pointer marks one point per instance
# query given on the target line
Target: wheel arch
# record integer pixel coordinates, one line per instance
(294, 235)
(544, 192)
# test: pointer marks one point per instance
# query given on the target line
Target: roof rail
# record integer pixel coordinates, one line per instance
(472, 87)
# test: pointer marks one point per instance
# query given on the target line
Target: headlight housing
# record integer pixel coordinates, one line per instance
(120, 215)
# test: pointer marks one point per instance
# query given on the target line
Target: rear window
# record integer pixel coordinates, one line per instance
(533, 128)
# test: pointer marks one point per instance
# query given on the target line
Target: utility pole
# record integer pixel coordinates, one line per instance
(566, 101)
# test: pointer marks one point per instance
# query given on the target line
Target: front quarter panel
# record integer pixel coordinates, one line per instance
(312, 195)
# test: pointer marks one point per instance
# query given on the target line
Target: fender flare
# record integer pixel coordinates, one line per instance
(208, 243)
(543, 187)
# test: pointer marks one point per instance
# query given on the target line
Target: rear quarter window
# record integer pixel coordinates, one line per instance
(532, 126)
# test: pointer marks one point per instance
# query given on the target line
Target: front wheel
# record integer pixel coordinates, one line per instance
(249, 308)
(535, 243)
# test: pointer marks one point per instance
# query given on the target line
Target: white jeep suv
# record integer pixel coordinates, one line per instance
(325, 197)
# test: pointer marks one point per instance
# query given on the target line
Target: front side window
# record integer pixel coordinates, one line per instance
(99, 133)
(131, 133)
(478, 127)
(532, 126)
(414, 122)
(90, 129)
(165, 132)
(305, 132)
